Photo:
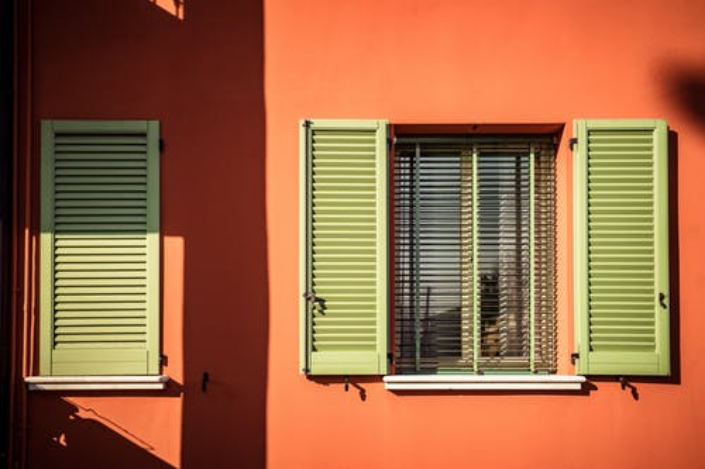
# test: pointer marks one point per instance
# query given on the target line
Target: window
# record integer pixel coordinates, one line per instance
(474, 254)
(471, 251)
(99, 258)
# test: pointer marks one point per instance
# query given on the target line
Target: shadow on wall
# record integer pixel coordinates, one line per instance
(674, 257)
(203, 79)
(71, 435)
(686, 86)
(213, 189)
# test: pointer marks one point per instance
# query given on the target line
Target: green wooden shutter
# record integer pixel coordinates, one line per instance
(344, 247)
(621, 248)
(99, 271)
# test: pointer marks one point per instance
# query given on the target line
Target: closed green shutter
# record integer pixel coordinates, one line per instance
(344, 247)
(621, 249)
(99, 272)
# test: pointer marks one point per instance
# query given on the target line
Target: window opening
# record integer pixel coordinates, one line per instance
(474, 253)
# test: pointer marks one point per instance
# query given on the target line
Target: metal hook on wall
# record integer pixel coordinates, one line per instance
(204, 381)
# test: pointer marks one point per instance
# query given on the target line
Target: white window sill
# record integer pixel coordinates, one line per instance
(96, 383)
(483, 383)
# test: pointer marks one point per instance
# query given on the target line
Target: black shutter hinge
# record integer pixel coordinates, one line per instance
(161, 145)
(572, 142)
(311, 298)
(574, 357)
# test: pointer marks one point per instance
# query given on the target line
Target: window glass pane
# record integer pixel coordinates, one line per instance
(503, 238)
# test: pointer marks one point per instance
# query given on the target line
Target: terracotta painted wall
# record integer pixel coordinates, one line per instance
(229, 81)
(503, 61)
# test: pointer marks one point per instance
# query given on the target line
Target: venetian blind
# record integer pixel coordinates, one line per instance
(474, 253)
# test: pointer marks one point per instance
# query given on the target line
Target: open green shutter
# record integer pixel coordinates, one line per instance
(344, 247)
(99, 271)
(621, 248)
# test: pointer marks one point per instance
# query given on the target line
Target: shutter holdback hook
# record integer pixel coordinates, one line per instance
(624, 384)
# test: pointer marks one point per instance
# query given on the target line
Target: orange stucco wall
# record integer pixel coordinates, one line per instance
(229, 81)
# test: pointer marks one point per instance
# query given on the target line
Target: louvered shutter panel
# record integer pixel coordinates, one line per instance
(99, 272)
(344, 247)
(621, 232)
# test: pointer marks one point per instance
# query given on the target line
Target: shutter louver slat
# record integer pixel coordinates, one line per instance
(101, 228)
(621, 242)
(345, 247)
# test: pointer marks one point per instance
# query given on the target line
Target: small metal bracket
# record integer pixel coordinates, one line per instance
(574, 357)
(572, 142)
